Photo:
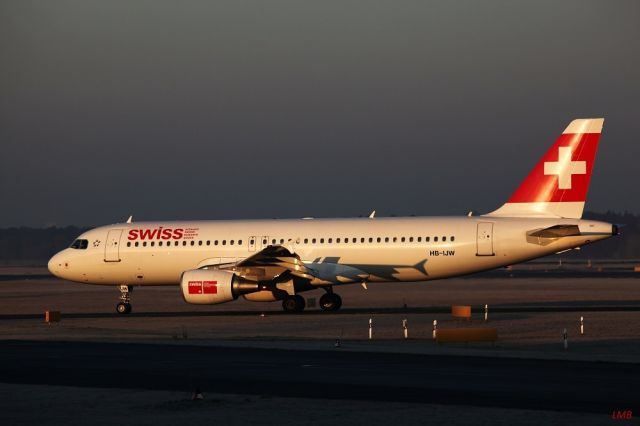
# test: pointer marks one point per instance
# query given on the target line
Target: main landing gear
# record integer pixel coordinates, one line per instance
(328, 302)
(124, 307)
(293, 303)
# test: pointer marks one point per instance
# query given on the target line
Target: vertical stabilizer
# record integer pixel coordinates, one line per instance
(557, 186)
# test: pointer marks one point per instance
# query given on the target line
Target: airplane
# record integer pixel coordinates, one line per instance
(276, 260)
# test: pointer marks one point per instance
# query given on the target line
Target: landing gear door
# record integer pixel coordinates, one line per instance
(485, 239)
(112, 246)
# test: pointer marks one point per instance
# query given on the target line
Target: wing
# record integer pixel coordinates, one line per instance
(273, 261)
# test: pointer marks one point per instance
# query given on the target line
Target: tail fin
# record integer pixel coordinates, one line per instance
(557, 186)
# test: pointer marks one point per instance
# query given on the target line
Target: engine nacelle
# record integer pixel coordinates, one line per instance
(211, 287)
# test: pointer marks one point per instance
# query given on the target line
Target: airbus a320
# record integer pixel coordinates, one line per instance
(276, 260)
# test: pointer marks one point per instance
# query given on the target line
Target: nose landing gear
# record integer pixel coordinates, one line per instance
(124, 307)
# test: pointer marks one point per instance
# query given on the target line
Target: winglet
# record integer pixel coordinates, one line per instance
(130, 220)
(372, 215)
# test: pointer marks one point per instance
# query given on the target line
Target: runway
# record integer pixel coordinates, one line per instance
(474, 381)
(251, 351)
(632, 306)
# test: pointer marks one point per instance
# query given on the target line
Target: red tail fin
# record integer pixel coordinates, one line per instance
(557, 186)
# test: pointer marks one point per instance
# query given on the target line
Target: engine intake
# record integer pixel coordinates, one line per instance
(211, 287)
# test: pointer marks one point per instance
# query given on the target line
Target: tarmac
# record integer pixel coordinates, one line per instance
(245, 355)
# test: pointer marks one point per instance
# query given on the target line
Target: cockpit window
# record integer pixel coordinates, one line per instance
(80, 244)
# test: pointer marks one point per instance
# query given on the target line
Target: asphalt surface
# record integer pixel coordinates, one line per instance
(631, 306)
(590, 387)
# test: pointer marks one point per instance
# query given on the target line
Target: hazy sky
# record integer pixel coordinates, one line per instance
(252, 109)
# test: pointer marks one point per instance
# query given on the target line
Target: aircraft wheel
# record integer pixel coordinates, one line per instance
(330, 302)
(293, 303)
(123, 308)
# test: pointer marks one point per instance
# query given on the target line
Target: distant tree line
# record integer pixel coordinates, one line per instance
(20, 246)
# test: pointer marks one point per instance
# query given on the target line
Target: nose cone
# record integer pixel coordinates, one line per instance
(54, 265)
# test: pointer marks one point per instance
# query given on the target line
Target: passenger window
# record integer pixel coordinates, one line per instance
(199, 242)
(160, 243)
(313, 241)
(129, 244)
(176, 244)
(419, 239)
(208, 242)
(402, 240)
(410, 239)
(370, 239)
(427, 239)
(379, 239)
(329, 241)
(355, 240)
(144, 244)
(184, 243)
(231, 242)
(153, 243)
(136, 244)
(435, 239)
(215, 243)
(224, 242)
(337, 240)
(453, 238)
(281, 240)
(321, 240)
(395, 239)
(386, 239)
(193, 243)
(239, 242)
(444, 238)
(306, 240)
(362, 239)
(264, 242)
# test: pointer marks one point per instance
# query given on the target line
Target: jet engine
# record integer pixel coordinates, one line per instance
(211, 286)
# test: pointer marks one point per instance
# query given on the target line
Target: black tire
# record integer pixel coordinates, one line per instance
(123, 308)
(293, 303)
(330, 302)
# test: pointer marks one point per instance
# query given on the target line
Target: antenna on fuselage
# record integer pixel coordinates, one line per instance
(372, 215)
(130, 220)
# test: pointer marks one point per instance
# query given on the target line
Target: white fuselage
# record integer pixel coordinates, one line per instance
(387, 249)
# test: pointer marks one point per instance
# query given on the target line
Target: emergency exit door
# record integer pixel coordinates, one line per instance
(484, 242)
(111, 247)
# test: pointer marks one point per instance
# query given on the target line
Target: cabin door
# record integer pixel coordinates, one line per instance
(484, 242)
(111, 247)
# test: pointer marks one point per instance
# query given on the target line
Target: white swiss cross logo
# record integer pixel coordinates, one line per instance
(564, 167)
